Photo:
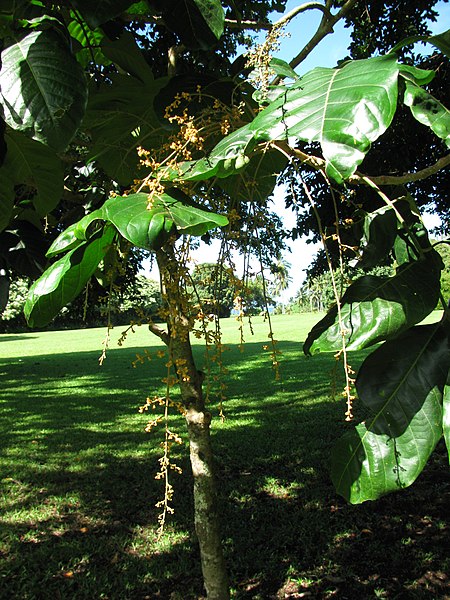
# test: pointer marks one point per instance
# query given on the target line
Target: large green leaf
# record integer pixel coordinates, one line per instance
(65, 279)
(149, 226)
(401, 384)
(43, 88)
(377, 308)
(440, 41)
(125, 53)
(427, 110)
(398, 229)
(120, 117)
(37, 166)
(345, 109)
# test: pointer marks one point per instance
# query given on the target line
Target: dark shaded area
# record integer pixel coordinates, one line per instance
(286, 532)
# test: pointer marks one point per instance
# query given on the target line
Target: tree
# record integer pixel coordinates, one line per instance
(141, 299)
(214, 288)
(281, 277)
(216, 137)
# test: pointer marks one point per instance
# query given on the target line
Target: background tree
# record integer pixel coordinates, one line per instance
(215, 288)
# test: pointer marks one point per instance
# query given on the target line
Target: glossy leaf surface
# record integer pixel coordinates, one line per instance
(43, 89)
(379, 233)
(377, 308)
(401, 384)
(65, 279)
(148, 227)
(344, 109)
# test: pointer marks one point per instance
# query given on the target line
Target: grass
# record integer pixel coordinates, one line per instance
(77, 495)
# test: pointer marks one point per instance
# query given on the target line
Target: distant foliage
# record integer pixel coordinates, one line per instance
(12, 316)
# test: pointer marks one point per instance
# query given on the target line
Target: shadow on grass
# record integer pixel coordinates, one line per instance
(4, 339)
(78, 489)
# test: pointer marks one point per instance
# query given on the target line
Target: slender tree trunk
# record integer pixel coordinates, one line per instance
(198, 420)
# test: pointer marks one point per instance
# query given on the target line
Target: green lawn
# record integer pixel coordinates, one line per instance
(77, 516)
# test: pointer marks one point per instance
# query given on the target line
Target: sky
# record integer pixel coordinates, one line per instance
(332, 48)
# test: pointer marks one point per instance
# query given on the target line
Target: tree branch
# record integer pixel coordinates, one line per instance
(440, 164)
(158, 331)
(319, 164)
(308, 159)
(303, 8)
(257, 25)
(325, 27)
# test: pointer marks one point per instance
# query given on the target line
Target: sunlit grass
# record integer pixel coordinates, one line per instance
(77, 487)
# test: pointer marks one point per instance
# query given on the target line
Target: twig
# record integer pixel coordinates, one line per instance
(325, 27)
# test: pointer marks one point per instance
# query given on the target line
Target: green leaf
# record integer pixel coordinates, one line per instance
(89, 40)
(282, 68)
(121, 117)
(75, 234)
(416, 75)
(65, 279)
(378, 308)
(37, 166)
(150, 227)
(43, 89)
(442, 42)
(125, 53)
(213, 14)
(345, 109)
(379, 233)
(401, 383)
(99, 12)
(429, 111)
(400, 230)
(446, 415)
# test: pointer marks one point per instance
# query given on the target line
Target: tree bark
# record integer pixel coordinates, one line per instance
(198, 420)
